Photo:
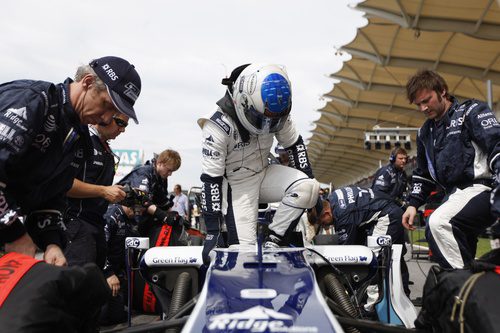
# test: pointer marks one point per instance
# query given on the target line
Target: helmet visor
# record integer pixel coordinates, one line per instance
(263, 123)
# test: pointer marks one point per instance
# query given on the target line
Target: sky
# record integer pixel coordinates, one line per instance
(181, 50)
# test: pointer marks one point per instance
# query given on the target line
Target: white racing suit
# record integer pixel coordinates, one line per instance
(251, 180)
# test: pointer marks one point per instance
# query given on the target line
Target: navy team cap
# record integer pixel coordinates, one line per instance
(121, 80)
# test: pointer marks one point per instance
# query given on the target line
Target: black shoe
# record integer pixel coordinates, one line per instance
(417, 301)
(271, 245)
(368, 315)
(272, 242)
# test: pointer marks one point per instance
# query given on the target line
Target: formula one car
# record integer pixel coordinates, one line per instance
(251, 289)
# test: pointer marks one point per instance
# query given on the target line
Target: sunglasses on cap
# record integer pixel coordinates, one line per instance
(120, 122)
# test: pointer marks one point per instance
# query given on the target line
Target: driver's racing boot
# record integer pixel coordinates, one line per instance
(272, 240)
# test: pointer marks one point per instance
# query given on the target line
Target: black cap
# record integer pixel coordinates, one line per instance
(122, 80)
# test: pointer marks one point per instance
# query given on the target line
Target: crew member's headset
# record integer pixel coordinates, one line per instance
(392, 158)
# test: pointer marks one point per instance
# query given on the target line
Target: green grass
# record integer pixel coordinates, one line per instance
(483, 244)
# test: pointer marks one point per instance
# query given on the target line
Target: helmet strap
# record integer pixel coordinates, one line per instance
(229, 81)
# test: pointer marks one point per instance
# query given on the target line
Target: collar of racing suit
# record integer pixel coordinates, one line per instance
(438, 127)
(454, 105)
(68, 107)
(71, 118)
(227, 106)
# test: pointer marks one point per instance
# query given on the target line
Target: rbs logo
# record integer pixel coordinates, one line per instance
(111, 73)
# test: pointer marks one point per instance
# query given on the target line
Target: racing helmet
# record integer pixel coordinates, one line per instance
(262, 98)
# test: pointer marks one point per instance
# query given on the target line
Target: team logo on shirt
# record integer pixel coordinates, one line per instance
(217, 119)
(342, 203)
(456, 122)
(417, 188)
(79, 153)
(42, 142)
(209, 141)
(16, 117)
(6, 133)
(19, 141)
(380, 180)
(211, 154)
(489, 122)
(469, 109)
(350, 195)
(241, 145)
(21, 112)
(50, 124)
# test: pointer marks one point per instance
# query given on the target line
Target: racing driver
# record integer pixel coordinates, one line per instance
(237, 139)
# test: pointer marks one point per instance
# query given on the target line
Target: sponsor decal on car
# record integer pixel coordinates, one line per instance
(174, 260)
(346, 258)
(256, 319)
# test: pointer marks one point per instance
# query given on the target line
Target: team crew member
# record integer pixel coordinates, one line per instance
(90, 195)
(237, 139)
(120, 224)
(181, 202)
(356, 213)
(43, 144)
(152, 178)
(495, 202)
(458, 148)
(390, 181)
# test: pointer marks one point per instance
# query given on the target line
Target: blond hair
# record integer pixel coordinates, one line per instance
(170, 156)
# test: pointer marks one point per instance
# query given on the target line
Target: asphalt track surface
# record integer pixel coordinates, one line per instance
(418, 265)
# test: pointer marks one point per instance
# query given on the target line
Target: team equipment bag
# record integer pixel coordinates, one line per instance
(461, 300)
(36, 297)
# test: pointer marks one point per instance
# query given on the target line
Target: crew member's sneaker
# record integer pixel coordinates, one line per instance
(417, 302)
(368, 314)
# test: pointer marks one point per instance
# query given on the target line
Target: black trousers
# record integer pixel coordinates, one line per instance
(86, 243)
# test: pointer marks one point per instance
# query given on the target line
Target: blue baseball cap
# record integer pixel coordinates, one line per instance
(121, 80)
